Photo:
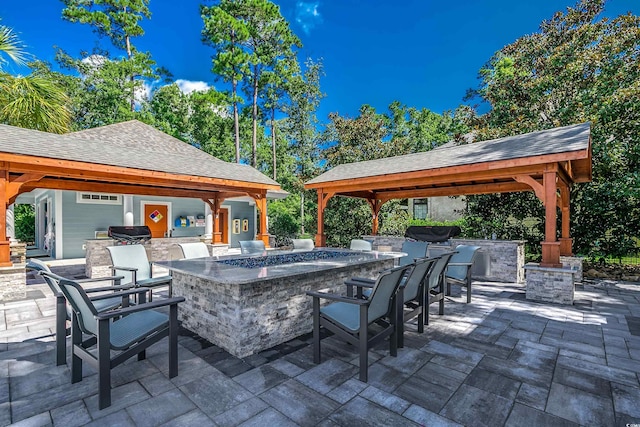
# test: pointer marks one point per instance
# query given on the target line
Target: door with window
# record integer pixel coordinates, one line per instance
(156, 217)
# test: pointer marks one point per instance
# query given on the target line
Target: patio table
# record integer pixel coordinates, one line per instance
(246, 304)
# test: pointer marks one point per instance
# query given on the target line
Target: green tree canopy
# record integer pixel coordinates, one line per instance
(578, 67)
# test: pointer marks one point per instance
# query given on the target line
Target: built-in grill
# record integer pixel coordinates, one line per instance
(433, 234)
(130, 234)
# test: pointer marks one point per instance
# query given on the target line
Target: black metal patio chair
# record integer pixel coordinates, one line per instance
(411, 294)
(103, 302)
(459, 268)
(136, 328)
(435, 284)
(351, 319)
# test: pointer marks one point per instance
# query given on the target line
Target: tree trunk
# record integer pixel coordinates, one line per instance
(131, 78)
(302, 212)
(236, 119)
(254, 114)
(273, 139)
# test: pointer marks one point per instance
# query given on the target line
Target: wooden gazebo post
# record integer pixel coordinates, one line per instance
(375, 204)
(5, 252)
(261, 204)
(550, 245)
(323, 198)
(214, 204)
(566, 242)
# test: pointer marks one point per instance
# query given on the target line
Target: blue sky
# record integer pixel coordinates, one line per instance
(423, 53)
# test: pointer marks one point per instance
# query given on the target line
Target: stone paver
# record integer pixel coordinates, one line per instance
(499, 361)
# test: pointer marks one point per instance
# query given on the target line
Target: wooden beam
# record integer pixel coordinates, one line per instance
(17, 185)
(385, 182)
(533, 183)
(74, 185)
(460, 190)
(84, 170)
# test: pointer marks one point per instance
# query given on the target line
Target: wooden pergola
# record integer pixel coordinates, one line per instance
(125, 158)
(547, 162)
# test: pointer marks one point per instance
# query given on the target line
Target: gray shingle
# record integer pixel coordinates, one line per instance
(129, 144)
(552, 141)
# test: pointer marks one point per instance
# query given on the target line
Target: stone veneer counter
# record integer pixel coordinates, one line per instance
(249, 308)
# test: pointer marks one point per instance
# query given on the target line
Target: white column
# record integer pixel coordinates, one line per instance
(11, 226)
(127, 204)
(208, 222)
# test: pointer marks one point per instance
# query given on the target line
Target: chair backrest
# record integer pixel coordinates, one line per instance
(464, 254)
(304, 244)
(37, 265)
(194, 250)
(251, 246)
(78, 300)
(435, 274)
(132, 256)
(360, 245)
(416, 278)
(414, 250)
(383, 291)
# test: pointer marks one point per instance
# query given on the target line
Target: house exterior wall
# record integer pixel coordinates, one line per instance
(442, 208)
(179, 207)
(81, 220)
(78, 222)
(240, 211)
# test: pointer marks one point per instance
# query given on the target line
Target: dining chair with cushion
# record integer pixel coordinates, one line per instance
(194, 250)
(360, 245)
(131, 261)
(108, 299)
(351, 319)
(252, 247)
(104, 342)
(459, 268)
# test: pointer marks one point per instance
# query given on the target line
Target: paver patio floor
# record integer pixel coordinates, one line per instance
(501, 360)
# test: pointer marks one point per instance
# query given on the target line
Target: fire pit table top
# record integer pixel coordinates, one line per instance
(239, 269)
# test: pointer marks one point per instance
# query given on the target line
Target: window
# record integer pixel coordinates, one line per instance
(99, 198)
(420, 209)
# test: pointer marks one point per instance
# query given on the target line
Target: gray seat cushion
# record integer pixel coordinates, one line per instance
(132, 328)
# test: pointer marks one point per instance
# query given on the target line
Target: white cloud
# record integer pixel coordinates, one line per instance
(188, 86)
(307, 15)
(95, 61)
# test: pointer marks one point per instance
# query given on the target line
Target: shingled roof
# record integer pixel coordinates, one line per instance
(129, 144)
(559, 140)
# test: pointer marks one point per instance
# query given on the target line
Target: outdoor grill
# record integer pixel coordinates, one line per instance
(433, 234)
(130, 235)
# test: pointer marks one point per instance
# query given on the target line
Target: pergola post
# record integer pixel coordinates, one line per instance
(214, 204)
(323, 198)
(375, 204)
(5, 252)
(261, 204)
(566, 242)
(550, 246)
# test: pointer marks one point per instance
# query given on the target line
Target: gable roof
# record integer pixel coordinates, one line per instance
(129, 144)
(534, 145)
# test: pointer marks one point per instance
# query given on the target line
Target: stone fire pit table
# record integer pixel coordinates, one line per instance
(246, 304)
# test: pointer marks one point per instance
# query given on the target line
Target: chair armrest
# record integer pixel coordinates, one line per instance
(140, 307)
(459, 264)
(352, 282)
(110, 288)
(362, 279)
(99, 279)
(336, 297)
(129, 291)
(114, 267)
